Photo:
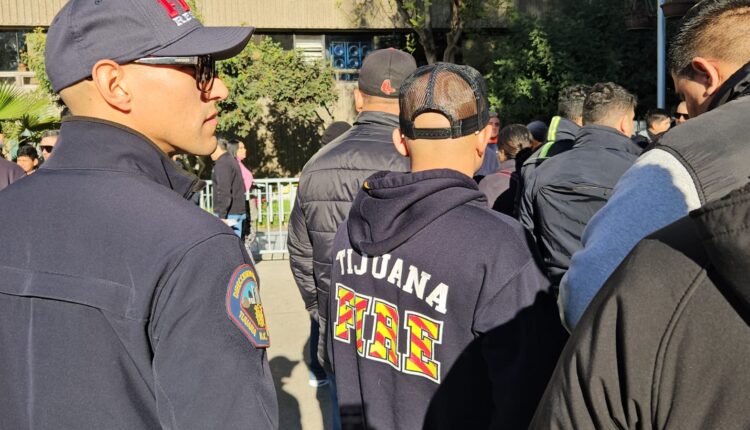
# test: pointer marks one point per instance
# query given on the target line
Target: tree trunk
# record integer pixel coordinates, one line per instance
(456, 31)
(424, 34)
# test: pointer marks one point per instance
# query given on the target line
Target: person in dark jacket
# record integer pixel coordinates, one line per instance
(229, 202)
(122, 304)
(561, 136)
(441, 317)
(658, 122)
(665, 343)
(501, 187)
(699, 161)
(9, 172)
(569, 188)
(333, 175)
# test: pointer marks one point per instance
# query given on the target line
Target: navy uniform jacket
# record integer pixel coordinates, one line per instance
(117, 296)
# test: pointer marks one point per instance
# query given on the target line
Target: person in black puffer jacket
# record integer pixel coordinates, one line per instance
(332, 177)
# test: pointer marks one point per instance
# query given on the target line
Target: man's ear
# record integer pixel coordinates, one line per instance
(622, 124)
(108, 78)
(359, 100)
(400, 142)
(482, 137)
(707, 74)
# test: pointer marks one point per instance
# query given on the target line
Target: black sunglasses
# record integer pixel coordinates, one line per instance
(205, 68)
(47, 148)
(681, 115)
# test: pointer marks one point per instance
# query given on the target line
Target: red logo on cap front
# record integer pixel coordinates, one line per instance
(178, 18)
(172, 10)
(386, 87)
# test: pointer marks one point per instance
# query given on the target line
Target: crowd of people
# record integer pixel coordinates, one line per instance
(570, 273)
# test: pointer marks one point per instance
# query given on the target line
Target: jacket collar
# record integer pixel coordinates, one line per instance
(95, 144)
(380, 118)
(603, 137)
(738, 85)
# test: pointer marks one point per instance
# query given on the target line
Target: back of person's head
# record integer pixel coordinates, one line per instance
(716, 29)
(610, 105)
(514, 138)
(51, 133)
(336, 129)
(658, 120)
(712, 43)
(444, 118)
(382, 73)
(231, 146)
(538, 130)
(570, 102)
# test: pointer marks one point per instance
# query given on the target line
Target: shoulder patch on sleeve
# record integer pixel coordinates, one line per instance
(244, 307)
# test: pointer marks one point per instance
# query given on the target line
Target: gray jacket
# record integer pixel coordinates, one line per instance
(327, 186)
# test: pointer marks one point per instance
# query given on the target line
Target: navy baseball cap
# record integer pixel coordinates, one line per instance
(86, 31)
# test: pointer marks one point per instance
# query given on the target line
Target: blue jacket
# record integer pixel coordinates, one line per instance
(117, 296)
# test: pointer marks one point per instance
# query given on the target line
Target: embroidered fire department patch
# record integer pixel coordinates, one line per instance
(244, 306)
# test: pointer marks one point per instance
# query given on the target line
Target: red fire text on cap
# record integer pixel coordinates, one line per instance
(177, 17)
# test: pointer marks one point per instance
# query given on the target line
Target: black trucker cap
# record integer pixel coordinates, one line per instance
(384, 71)
(86, 31)
(456, 92)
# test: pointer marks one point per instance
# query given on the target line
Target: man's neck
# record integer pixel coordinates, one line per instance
(391, 108)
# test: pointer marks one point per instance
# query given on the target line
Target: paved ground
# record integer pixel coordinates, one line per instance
(300, 405)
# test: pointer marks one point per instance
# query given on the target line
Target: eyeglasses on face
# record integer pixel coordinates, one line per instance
(682, 115)
(205, 68)
(46, 148)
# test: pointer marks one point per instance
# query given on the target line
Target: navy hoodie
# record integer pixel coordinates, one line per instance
(440, 315)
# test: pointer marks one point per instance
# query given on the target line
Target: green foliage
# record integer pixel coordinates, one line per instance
(581, 42)
(25, 115)
(194, 8)
(275, 96)
(34, 59)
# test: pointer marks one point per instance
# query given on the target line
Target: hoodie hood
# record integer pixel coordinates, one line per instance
(393, 207)
(724, 228)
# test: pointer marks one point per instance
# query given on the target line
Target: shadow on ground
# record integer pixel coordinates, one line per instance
(289, 413)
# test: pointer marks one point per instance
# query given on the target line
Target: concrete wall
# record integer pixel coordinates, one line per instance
(279, 15)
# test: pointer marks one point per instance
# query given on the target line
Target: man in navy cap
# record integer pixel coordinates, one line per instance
(122, 305)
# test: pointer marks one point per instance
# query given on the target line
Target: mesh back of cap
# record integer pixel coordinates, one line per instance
(456, 92)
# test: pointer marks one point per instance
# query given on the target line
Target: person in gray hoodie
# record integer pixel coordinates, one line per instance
(440, 315)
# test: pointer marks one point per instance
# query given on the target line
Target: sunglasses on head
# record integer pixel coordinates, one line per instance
(205, 68)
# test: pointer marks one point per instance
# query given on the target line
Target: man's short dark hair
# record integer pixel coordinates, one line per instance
(27, 151)
(654, 116)
(604, 100)
(570, 101)
(513, 138)
(714, 29)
